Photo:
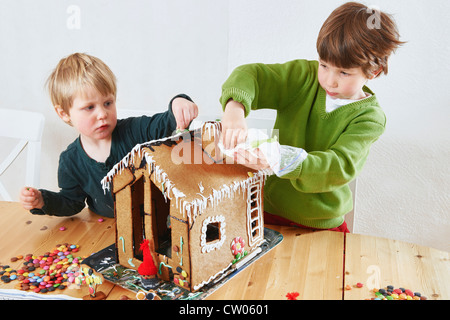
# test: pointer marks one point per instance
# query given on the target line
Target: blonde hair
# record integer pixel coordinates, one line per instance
(76, 72)
(347, 39)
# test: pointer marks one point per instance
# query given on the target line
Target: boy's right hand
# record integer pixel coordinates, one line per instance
(234, 126)
(31, 198)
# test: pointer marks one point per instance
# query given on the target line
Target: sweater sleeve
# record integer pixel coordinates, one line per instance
(324, 171)
(69, 201)
(58, 205)
(158, 126)
(259, 86)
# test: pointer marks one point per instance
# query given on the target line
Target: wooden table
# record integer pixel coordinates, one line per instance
(317, 265)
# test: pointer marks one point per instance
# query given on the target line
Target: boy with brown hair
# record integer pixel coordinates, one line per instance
(83, 91)
(324, 112)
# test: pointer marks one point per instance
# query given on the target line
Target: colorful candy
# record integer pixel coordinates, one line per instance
(390, 293)
(58, 268)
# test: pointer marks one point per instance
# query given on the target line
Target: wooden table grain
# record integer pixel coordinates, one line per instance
(307, 262)
(317, 265)
(379, 262)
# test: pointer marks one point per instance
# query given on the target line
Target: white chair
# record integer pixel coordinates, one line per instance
(27, 127)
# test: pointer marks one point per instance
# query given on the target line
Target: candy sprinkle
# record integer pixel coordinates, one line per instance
(292, 295)
(390, 293)
(47, 272)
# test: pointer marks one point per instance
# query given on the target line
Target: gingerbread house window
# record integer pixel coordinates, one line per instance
(213, 233)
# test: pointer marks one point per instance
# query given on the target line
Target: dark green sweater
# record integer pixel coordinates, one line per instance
(316, 194)
(79, 175)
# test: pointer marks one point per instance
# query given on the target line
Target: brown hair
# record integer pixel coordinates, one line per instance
(76, 72)
(355, 35)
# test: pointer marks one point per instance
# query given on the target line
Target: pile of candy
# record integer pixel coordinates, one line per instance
(390, 293)
(48, 272)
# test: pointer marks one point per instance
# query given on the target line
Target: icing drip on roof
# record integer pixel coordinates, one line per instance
(190, 209)
(138, 149)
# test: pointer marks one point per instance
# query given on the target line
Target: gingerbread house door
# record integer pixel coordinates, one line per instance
(142, 212)
(131, 217)
(160, 221)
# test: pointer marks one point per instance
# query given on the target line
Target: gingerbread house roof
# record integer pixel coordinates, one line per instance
(187, 174)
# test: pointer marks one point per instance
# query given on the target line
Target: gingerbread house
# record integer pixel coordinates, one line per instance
(203, 213)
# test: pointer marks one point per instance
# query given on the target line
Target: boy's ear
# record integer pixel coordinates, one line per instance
(376, 73)
(62, 114)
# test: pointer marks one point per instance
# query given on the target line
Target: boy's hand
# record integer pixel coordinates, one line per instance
(184, 111)
(234, 126)
(31, 198)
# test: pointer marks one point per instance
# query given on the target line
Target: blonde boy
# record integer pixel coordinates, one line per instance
(323, 109)
(83, 91)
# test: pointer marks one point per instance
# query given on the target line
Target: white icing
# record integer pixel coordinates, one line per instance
(178, 194)
(207, 247)
(258, 217)
(196, 287)
(212, 129)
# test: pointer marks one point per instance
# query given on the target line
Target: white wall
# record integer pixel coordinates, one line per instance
(160, 48)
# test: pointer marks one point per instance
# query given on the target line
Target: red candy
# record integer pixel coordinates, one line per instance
(409, 293)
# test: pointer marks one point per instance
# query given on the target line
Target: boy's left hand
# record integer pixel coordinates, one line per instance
(184, 111)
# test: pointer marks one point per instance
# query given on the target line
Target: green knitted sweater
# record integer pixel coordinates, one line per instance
(316, 194)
